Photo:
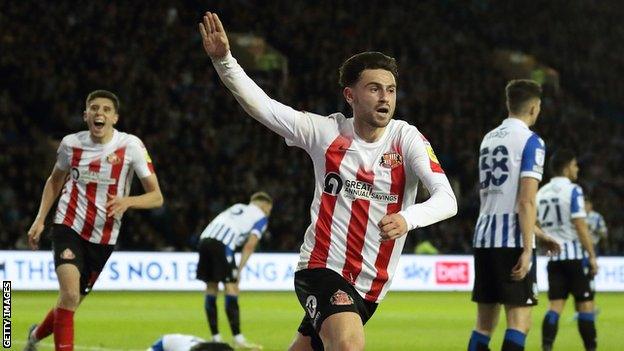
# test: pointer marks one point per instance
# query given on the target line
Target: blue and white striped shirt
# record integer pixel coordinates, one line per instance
(559, 202)
(233, 226)
(597, 226)
(507, 153)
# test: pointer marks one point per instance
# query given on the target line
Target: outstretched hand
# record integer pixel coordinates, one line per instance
(214, 39)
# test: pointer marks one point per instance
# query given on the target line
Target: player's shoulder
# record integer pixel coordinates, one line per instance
(336, 118)
(76, 139)
(576, 188)
(129, 139)
(405, 131)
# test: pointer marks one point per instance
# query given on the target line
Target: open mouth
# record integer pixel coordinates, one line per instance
(99, 124)
(383, 110)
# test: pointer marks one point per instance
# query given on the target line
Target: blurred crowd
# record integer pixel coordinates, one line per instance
(208, 154)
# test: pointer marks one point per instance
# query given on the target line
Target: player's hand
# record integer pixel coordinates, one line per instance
(392, 226)
(520, 270)
(593, 266)
(214, 39)
(116, 206)
(551, 245)
(34, 234)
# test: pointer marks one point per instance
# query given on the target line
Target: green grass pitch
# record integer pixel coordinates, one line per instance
(403, 321)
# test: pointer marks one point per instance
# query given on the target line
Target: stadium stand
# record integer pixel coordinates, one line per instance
(208, 154)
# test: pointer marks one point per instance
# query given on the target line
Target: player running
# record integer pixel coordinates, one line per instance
(94, 170)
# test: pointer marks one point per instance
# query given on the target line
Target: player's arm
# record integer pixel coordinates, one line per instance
(248, 249)
(276, 116)
(527, 215)
(531, 170)
(442, 203)
(578, 214)
(583, 233)
(551, 245)
(151, 198)
(51, 191)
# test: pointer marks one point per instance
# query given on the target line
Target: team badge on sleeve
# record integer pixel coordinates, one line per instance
(433, 159)
(147, 156)
(391, 160)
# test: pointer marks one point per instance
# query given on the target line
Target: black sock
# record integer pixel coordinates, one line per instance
(549, 328)
(210, 306)
(514, 340)
(231, 308)
(587, 328)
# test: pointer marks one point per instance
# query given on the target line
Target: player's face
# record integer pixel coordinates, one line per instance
(373, 98)
(573, 170)
(101, 116)
(536, 107)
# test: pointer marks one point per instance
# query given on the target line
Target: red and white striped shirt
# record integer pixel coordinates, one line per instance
(94, 171)
(357, 183)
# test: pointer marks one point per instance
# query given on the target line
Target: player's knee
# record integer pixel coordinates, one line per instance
(301, 343)
(69, 299)
(349, 344)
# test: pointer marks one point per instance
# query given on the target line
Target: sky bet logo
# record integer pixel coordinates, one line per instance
(451, 272)
(6, 314)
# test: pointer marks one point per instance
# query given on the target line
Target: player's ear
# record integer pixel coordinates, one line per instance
(84, 115)
(347, 92)
(115, 118)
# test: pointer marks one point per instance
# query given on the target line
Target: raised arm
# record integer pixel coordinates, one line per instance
(276, 116)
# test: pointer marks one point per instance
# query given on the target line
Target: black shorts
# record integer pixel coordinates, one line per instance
(88, 257)
(216, 262)
(570, 277)
(493, 283)
(323, 292)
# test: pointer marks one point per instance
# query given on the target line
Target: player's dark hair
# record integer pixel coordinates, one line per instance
(560, 160)
(261, 196)
(104, 94)
(519, 92)
(352, 68)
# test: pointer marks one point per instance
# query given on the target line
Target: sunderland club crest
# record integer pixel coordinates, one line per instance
(391, 160)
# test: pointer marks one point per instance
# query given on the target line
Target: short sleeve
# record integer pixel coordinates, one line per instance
(260, 227)
(577, 203)
(533, 156)
(140, 159)
(63, 156)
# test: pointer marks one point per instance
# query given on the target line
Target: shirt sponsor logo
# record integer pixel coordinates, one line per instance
(341, 298)
(357, 189)
(87, 176)
(452, 273)
(391, 160)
